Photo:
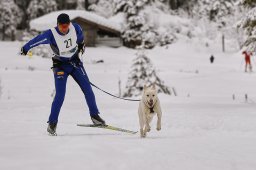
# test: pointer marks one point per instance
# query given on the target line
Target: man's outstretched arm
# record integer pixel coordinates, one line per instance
(44, 38)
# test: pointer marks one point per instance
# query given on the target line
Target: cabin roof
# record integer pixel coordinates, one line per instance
(48, 21)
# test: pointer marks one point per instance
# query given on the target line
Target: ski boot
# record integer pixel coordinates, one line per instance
(52, 129)
(97, 120)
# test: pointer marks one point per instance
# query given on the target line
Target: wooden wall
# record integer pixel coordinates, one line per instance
(90, 32)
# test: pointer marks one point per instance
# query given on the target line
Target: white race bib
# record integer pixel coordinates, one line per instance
(66, 43)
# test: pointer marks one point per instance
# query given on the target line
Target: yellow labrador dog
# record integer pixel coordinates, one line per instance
(148, 107)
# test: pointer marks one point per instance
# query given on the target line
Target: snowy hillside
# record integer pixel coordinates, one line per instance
(203, 127)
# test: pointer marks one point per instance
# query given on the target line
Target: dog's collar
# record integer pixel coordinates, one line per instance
(150, 108)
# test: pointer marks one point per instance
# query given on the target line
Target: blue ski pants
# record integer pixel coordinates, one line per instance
(78, 73)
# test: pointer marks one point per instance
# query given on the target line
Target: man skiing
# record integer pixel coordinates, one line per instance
(247, 57)
(66, 41)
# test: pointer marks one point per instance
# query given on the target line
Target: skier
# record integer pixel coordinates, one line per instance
(247, 57)
(212, 59)
(66, 41)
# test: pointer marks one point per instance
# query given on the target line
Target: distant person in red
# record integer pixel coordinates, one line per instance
(247, 57)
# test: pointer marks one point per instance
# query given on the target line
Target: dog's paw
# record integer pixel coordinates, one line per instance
(158, 128)
(148, 129)
(142, 134)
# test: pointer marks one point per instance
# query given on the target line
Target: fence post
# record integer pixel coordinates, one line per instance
(246, 97)
(174, 91)
(223, 43)
(119, 87)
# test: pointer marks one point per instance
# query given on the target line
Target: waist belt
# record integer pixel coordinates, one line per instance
(58, 61)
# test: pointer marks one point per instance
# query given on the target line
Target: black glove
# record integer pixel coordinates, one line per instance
(23, 51)
(81, 47)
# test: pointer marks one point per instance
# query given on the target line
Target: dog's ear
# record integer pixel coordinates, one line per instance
(145, 87)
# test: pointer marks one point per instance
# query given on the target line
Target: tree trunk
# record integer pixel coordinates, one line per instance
(223, 43)
(23, 6)
(3, 32)
(13, 35)
(61, 4)
(173, 4)
(86, 5)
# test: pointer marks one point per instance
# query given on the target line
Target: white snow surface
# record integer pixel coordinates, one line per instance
(203, 128)
(49, 20)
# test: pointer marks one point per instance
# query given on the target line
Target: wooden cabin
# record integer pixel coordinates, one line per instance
(95, 33)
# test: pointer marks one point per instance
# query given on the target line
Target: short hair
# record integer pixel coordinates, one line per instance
(63, 19)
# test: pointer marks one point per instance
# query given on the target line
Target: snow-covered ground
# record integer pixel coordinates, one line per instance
(203, 127)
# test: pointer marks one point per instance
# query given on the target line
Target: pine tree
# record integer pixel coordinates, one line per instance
(137, 31)
(248, 3)
(143, 73)
(23, 5)
(38, 8)
(221, 10)
(248, 24)
(216, 11)
(104, 8)
(10, 17)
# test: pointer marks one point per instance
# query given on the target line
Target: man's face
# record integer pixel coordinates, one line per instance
(63, 28)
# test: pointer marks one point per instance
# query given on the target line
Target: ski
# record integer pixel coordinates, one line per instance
(108, 127)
